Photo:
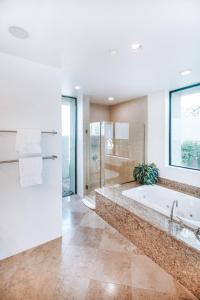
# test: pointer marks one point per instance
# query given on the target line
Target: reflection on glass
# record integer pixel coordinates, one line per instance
(121, 131)
(185, 124)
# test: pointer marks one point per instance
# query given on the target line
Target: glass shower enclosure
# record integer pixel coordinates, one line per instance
(113, 150)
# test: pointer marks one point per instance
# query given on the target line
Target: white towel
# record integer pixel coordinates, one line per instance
(28, 141)
(30, 170)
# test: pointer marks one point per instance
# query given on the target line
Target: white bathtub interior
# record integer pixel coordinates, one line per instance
(161, 199)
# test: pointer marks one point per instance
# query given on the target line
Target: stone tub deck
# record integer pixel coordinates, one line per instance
(175, 249)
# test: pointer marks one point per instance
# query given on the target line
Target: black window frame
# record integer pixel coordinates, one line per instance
(170, 124)
(76, 132)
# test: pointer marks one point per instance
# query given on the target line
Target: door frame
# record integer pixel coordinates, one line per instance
(65, 96)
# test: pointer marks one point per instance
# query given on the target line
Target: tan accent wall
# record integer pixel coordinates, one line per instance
(130, 111)
(99, 113)
(134, 110)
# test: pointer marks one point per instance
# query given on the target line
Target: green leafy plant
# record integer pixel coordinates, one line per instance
(146, 173)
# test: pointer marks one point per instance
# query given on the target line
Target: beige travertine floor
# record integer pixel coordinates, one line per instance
(92, 261)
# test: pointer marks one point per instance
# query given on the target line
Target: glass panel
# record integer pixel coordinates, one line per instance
(68, 145)
(114, 149)
(185, 124)
(123, 146)
(94, 161)
(107, 151)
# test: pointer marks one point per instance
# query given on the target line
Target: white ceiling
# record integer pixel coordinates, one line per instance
(76, 35)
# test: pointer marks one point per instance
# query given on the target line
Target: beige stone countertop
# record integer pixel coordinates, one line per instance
(155, 218)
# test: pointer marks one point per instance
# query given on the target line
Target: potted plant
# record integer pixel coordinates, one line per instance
(146, 174)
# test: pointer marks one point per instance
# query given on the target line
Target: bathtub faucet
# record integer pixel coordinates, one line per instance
(175, 203)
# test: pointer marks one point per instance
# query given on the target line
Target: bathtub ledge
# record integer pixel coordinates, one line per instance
(175, 249)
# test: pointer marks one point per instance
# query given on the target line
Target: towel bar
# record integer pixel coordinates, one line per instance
(16, 160)
(15, 131)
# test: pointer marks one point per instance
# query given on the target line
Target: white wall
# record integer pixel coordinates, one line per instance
(158, 118)
(30, 96)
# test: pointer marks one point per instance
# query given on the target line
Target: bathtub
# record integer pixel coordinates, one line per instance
(161, 199)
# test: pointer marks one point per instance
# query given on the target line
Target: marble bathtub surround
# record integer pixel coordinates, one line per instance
(161, 221)
(180, 187)
(92, 261)
(175, 249)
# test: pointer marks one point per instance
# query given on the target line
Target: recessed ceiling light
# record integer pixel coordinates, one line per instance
(77, 87)
(111, 98)
(113, 51)
(136, 46)
(18, 32)
(186, 72)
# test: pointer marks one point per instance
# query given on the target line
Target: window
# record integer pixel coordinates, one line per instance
(184, 135)
(69, 133)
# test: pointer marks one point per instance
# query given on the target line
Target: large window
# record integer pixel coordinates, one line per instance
(184, 150)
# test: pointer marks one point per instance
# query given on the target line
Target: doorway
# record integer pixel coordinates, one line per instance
(69, 132)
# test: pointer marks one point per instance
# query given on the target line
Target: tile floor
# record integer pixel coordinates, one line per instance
(92, 261)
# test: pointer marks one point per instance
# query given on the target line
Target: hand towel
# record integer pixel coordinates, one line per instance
(28, 141)
(30, 170)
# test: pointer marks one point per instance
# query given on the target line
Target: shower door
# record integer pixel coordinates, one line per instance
(99, 143)
(68, 146)
(113, 151)
(94, 157)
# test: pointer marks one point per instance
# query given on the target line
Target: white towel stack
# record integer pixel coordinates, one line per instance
(30, 167)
